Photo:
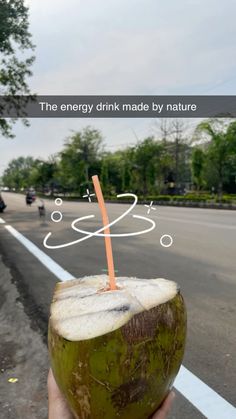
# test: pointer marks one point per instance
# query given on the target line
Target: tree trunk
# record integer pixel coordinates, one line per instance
(145, 188)
(220, 190)
(220, 185)
(86, 173)
(177, 162)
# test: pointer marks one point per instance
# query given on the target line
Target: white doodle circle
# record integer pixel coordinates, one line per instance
(166, 236)
(58, 202)
(101, 231)
(56, 214)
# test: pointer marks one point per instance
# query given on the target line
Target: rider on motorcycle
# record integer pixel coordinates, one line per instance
(2, 204)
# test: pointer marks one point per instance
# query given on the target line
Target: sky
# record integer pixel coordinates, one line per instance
(123, 47)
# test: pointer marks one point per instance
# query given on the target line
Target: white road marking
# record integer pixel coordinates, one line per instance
(205, 399)
(52, 266)
(2, 221)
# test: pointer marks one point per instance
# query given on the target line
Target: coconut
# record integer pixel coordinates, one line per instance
(115, 354)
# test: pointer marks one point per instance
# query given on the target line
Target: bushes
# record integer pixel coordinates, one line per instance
(190, 198)
(164, 198)
(178, 199)
(226, 199)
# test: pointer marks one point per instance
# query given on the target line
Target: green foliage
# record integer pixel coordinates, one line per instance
(146, 161)
(80, 158)
(162, 198)
(179, 199)
(198, 159)
(105, 175)
(111, 172)
(14, 70)
(142, 169)
(44, 175)
(220, 152)
(18, 173)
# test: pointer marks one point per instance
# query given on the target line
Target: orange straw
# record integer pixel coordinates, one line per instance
(105, 220)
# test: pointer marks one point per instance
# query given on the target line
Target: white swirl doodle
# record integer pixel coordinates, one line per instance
(99, 233)
(88, 234)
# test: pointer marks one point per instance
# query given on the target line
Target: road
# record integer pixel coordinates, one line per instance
(202, 260)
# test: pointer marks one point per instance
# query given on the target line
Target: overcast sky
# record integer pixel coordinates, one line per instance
(123, 47)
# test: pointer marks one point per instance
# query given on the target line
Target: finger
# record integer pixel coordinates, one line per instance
(57, 405)
(53, 390)
(165, 408)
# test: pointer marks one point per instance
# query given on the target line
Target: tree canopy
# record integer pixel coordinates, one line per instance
(218, 139)
(147, 168)
(15, 67)
(80, 157)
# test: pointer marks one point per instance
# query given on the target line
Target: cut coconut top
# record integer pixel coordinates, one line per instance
(80, 310)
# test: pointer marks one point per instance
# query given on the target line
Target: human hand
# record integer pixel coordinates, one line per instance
(165, 408)
(58, 407)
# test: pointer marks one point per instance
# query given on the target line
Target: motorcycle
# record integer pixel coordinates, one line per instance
(41, 208)
(2, 205)
(29, 199)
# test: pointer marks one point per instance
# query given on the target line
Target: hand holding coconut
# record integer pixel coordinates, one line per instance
(116, 345)
(57, 404)
(59, 409)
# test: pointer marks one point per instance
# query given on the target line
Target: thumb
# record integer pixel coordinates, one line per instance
(165, 408)
(57, 405)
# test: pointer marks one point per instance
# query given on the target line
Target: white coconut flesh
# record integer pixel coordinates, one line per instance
(80, 310)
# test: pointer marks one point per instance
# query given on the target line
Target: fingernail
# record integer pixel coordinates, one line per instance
(172, 394)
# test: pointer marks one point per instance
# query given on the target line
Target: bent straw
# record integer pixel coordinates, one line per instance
(105, 220)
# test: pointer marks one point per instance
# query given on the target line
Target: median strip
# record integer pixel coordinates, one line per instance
(199, 394)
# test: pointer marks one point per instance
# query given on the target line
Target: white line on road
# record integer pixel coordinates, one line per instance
(206, 400)
(2, 221)
(52, 266)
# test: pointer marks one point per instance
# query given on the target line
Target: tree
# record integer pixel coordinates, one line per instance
(14, 70)
(44, 174)
(198, 159)
(105, 174)
(230, 185)
(164, 129)
(220, 143)
(147, 165)
(80, 157)
(176, 154)
(111, 172)
(127, 164)
(179, 127)
(18, 173)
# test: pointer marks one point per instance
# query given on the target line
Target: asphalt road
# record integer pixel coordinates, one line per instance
(202, 260)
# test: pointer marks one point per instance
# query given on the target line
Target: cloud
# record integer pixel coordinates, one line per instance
(131, 47)
(124, 47)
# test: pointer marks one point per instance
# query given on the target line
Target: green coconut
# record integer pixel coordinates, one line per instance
(115, 354)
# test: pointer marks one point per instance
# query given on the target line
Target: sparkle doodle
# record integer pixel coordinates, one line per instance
(100, 232)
